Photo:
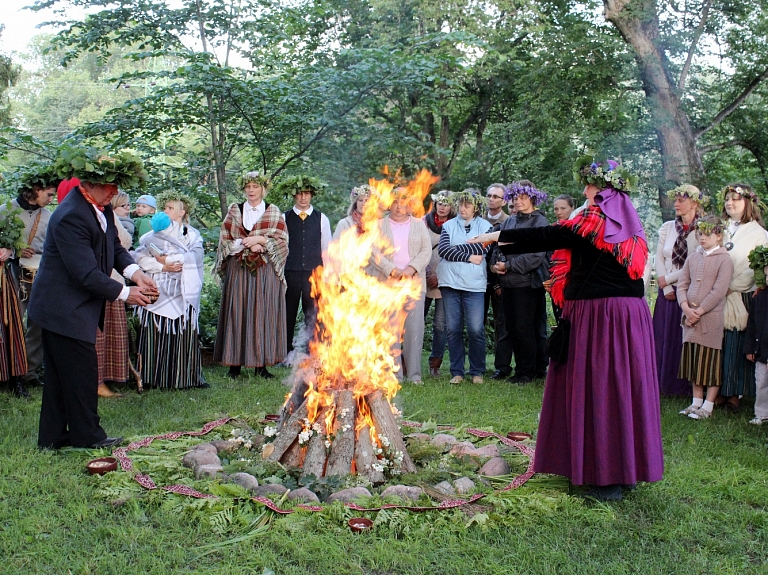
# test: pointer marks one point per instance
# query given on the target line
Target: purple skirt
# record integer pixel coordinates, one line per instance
(600, 419)
(668, 334)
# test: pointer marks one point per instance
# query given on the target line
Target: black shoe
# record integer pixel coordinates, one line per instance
(519, 379)
(18, 389)
(107, 442)
(498, 374)
(262, 372)
(604, 493)
(541, 375)
(234, 372)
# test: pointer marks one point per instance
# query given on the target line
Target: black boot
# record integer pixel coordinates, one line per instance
(234, 372)
(18, 389)
(604, 493)
(262, 372)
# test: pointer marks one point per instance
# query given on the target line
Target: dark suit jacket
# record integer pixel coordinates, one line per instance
(73, 283)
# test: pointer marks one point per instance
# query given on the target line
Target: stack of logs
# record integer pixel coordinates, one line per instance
(350, 451)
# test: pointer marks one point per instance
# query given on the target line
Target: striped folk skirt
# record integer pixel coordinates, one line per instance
(252, 324)
(738, 371)
(170, 351)
(701, 365)
(13, 350)
(112, 344)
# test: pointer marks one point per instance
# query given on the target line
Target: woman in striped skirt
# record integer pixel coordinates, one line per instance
(13, 351)
(253, 247)
(173, 256)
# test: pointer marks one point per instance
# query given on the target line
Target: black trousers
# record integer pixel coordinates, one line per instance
(524, 310)
(298, 289)
(69, 413)
(502, 340)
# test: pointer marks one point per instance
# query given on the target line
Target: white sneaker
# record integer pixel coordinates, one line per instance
(690, 409)
(758, 420)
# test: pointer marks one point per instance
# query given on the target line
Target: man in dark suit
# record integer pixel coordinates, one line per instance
(309, 233)
(71, 288)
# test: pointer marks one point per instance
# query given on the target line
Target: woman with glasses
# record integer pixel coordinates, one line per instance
(121, 205)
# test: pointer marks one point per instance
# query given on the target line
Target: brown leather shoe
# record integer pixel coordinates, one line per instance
(104, 391)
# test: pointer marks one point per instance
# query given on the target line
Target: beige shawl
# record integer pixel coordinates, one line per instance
(746, 238)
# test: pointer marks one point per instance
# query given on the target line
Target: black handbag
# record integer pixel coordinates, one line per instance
(557, 342)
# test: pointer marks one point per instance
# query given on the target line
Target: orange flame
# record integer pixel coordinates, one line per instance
(361, 317)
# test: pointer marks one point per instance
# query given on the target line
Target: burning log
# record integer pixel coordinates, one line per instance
(314, 460)
(294, 456)
(365, 457)
(288, 433)
(386, 425)
(343, 445)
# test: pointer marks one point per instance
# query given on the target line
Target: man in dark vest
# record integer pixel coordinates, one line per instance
(309, 233)
(81, 250)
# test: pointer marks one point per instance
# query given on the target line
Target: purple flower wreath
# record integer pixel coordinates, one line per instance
(514, 189)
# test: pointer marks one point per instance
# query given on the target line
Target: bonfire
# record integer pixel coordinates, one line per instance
(339, 418)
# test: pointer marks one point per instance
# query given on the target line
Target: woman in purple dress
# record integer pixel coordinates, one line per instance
(677, 238)
(600, 421)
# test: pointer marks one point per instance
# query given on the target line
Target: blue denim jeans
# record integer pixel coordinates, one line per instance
(438, 329)
(465, 307)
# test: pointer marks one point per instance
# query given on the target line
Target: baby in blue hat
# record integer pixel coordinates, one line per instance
(146, 206)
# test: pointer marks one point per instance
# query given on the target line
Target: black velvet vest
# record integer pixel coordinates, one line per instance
(304, 249)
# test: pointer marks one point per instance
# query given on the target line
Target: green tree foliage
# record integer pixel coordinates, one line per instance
(9, 74)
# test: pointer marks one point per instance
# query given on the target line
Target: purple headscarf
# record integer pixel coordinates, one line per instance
(621, 219)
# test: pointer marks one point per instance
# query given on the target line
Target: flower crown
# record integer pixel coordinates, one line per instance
(514, 189)
(606, 174)
(123, 169)
(470, 196)
(256, 177)
(443, 197)
(364, 190)
(707, 228)
(190, 204)
(688, 191)
(743, 191)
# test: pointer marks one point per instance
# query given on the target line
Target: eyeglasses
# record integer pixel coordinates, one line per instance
(494, 196)
(126, 206)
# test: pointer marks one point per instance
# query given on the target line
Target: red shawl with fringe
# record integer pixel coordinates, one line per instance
(632, 253)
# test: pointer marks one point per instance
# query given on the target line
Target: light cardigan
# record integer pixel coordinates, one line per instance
(664, 266)
(703, 283)
(419, 250)
(746, 238)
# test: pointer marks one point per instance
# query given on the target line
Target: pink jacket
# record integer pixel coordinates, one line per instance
(703, 282)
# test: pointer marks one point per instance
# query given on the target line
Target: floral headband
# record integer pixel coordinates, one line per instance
(537, 196)
(744, 192)
(253, 177)
(364, 190)
(470, 196)
(444, 197)
(688, 191)
(708, 228)
(190, 204)
(606, 174)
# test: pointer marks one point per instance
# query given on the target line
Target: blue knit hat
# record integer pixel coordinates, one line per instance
(160, 221)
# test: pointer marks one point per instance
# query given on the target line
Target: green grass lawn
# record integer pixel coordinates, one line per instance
(709, 515)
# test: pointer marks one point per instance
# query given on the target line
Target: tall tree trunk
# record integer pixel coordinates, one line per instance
(638, 23)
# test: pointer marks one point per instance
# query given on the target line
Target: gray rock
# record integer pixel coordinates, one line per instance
(403, 492)
(205, 447)
(494, 467)
(303, 494)
(443, 439)
(464, 485)
(198, 457)
(269, 489)
(489, 450)
(244, 480)
(463, 448)
(223, 446)
(348, 495)
(446, 488)
(419, 437)
(208, 471)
